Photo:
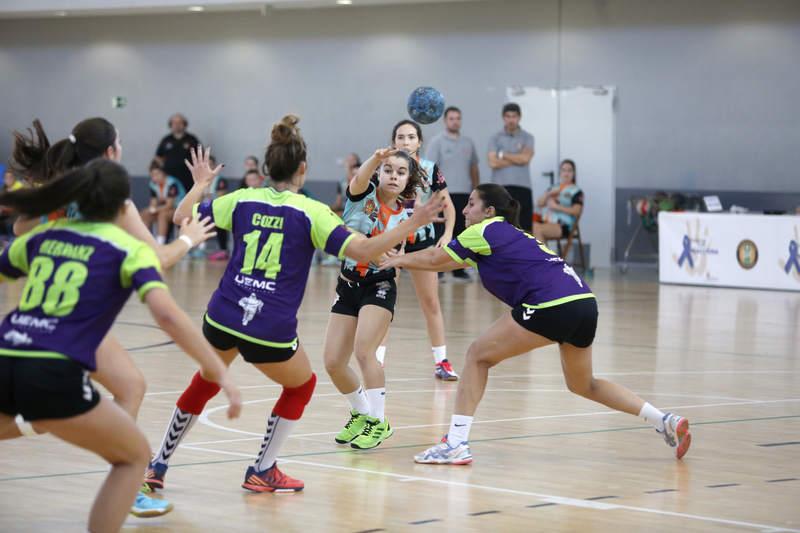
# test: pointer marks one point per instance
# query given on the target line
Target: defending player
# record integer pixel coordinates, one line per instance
(550, 303)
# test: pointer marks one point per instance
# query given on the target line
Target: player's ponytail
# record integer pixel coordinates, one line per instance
(35, 157)
(286, 150)
(493, 195)
(99, 189)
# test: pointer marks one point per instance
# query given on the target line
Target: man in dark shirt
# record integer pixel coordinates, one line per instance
(175, 148)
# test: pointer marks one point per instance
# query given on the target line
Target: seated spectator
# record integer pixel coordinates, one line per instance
(166, 192)
(251, 163)
(252, 180)
(562, 206)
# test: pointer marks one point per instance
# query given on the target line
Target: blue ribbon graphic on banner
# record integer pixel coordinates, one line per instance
(687, 252)
(794, 260)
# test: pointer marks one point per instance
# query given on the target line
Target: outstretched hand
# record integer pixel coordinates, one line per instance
(200, 167)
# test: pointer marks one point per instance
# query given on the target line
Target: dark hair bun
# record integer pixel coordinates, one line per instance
(285, 131)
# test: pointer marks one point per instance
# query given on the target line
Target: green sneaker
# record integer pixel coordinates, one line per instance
(352, 429)
(373, 434)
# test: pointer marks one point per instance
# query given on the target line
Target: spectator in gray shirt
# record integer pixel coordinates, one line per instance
(510, 153)
(457, 159)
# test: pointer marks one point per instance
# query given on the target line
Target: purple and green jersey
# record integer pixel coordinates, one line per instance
(275, 235)
(515, 267)
(80, 274)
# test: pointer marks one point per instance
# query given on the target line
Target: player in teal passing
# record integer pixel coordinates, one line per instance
(79, 275)
(550, 303)
(253, 312)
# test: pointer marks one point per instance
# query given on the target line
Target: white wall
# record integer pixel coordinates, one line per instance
(707, 91)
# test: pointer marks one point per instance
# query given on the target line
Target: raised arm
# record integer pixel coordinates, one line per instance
(360, 183)
(196, 230)
(203, 175)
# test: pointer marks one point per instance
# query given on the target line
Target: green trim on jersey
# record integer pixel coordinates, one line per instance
(139, 255)
(560, 301)
(341, 254)
(472, 237)
(147, 287)
(31, 354)
(248, 337)
(323, 220)
(458, 259)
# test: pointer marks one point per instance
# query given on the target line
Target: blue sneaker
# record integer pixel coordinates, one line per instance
(147, 507)
(445, 454)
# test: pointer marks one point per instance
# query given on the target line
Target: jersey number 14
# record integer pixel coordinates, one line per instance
(268, 259)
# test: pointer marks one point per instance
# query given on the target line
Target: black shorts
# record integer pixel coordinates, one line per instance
(352, 296)
(573, 322)
(565, 231)
(251, 351)
(40, 389)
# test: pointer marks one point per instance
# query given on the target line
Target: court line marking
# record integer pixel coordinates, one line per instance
(519, 376)
(204, 417)
(549, 498)
(417, 445)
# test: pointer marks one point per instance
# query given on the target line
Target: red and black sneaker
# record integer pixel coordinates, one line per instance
(445, 372)
(270, 480)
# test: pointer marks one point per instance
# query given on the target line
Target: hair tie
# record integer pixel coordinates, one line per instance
(72, 139)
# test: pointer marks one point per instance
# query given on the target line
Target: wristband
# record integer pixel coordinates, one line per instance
(187, 240)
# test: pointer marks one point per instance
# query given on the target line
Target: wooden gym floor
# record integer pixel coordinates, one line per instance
(545, 460)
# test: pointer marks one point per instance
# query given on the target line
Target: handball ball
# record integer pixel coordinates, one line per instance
(425, 105)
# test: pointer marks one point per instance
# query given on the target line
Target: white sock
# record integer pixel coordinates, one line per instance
(179, 425)
(377, 401)
(358, 400)
(380, 354)
(439, 353)
(652, 416)
(160, 239)
(278, 430)
(459, 429)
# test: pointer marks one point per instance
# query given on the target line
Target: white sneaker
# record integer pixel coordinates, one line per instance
(444, 454)
(676, 433)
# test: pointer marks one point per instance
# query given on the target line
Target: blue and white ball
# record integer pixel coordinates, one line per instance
(425, 105)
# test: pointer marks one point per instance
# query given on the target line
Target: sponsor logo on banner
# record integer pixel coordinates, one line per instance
(791, 265)
(747, 254)
(695, 247)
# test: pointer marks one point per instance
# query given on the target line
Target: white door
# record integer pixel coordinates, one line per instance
(587, 137)
(576, 124)
(540, 119)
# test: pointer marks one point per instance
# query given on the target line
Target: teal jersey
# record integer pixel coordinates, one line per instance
(366, 214)
(172, 188)
(80, 274)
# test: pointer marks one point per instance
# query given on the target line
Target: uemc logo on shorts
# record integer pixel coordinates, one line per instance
(695, 247)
